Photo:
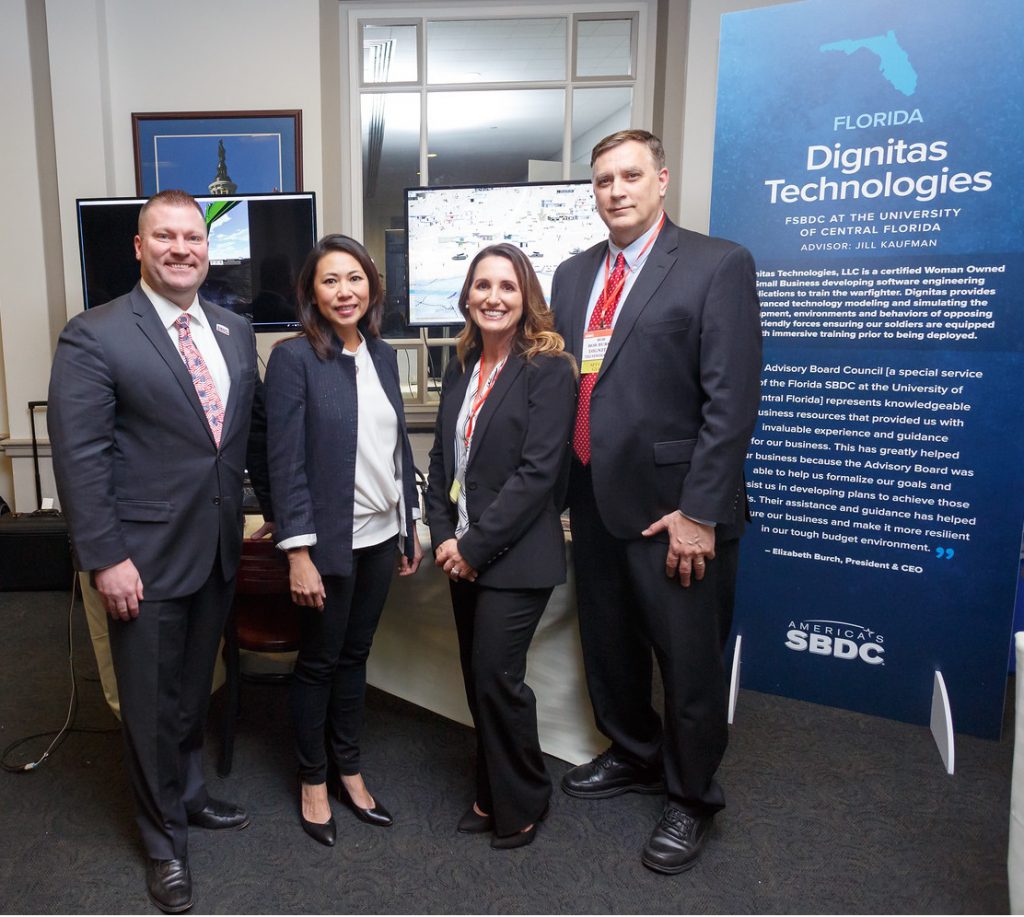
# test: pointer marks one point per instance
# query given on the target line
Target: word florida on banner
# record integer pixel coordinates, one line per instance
(868, 154)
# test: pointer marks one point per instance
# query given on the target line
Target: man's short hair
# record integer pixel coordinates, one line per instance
(173, 197)
(619, 137)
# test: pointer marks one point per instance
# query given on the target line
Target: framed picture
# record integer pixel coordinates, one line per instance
(218, 152)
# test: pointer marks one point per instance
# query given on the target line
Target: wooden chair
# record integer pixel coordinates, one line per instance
(263, 620)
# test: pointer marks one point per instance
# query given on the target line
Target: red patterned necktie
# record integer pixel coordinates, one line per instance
(201, 378)
(604, 311)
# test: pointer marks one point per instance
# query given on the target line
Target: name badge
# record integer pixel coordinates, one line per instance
(595, 346)
(223, 329)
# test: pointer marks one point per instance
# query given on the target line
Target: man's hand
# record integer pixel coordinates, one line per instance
(690, 546)
(121, 588)
(304, 580)
(448, 558)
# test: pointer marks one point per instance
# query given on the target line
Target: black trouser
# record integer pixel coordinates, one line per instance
(495, 627)
(164, 662)
(328, 686)
(627, 605)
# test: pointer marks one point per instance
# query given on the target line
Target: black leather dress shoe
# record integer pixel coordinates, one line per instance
(677, 841)
(169, 883)
(608, 775)
(378, 815)
(475, 823)
(217, 814)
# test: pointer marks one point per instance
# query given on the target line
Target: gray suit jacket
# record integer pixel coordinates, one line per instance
(676, 400)
(138, 473)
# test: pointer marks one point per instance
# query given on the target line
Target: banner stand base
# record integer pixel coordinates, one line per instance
(942, 722)
(734, 682)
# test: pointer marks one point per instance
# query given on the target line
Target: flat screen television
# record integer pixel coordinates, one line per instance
(257, 245)
(446, 226)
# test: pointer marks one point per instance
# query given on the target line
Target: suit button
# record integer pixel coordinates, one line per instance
(471, 485)
(216, 501)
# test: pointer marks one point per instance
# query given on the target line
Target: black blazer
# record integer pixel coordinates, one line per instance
(676, 400)
(517, 471)
(312, 425)
(138, 473)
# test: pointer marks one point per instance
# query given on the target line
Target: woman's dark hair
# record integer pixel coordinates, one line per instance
(536, 332)
(315, 327)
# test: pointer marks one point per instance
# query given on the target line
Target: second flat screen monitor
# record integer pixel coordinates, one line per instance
(446, 227)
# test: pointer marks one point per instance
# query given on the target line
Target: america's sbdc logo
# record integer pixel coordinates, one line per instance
(838, 639)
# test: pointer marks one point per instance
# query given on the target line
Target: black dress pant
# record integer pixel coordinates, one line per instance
(627, 606)
(164, 662)
(495, 627)
(328, 687)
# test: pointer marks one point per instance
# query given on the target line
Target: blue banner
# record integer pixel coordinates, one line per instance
(869, 156)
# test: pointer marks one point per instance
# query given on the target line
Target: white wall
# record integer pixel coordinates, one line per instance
(99, 61)
(31, 288)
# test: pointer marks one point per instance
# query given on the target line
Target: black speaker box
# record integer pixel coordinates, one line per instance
(35, 553)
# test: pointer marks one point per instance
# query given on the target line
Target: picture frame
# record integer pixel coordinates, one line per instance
(218, 152)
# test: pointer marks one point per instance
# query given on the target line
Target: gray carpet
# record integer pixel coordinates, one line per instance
(829, 812)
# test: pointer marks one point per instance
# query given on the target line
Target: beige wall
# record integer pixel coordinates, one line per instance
(73, 71)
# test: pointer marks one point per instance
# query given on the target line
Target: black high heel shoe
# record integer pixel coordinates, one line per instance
(325, 833)
(520, 838)
(475, 823)
(377, 816)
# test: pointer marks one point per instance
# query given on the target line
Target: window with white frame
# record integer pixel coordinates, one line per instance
(481, 93)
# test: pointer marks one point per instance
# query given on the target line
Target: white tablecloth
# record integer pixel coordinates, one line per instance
(415, 656)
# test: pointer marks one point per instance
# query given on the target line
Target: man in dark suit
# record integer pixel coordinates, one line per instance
(666, 326)
(150, 402)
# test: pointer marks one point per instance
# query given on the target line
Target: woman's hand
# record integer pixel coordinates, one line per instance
(408, 567)
(304, 580)
(448, 558)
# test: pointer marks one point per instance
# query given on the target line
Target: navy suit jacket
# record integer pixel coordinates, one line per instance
(675, 402)
(516, 474)
(312, 425)
(138, 473)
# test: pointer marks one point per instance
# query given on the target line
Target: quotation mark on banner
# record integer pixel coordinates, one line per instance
(945, 553)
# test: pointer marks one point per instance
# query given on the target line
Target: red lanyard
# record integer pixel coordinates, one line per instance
(611, 295)
(478, 401)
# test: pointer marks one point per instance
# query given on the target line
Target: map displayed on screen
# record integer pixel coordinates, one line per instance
(446, 227)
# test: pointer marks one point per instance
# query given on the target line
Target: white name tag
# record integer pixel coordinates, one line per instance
(223, 329)
(595, 346)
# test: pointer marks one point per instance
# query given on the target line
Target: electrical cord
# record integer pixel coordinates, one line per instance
(61, 734)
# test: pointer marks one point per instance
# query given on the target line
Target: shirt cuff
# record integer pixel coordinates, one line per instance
(297, 541)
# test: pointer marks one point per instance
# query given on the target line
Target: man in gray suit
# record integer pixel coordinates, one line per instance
(666, 327)
(150, 402)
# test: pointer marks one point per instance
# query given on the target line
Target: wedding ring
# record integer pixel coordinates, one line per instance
(699, 561)
(456, 571)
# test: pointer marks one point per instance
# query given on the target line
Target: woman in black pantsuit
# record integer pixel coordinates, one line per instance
(344, 493)
(498, 471)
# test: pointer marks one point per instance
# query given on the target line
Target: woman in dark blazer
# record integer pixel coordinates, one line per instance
(498, 471)
(343, 490)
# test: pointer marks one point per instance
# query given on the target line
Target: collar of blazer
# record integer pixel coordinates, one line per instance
(513, 367)
(659, 262)
(150, 325)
